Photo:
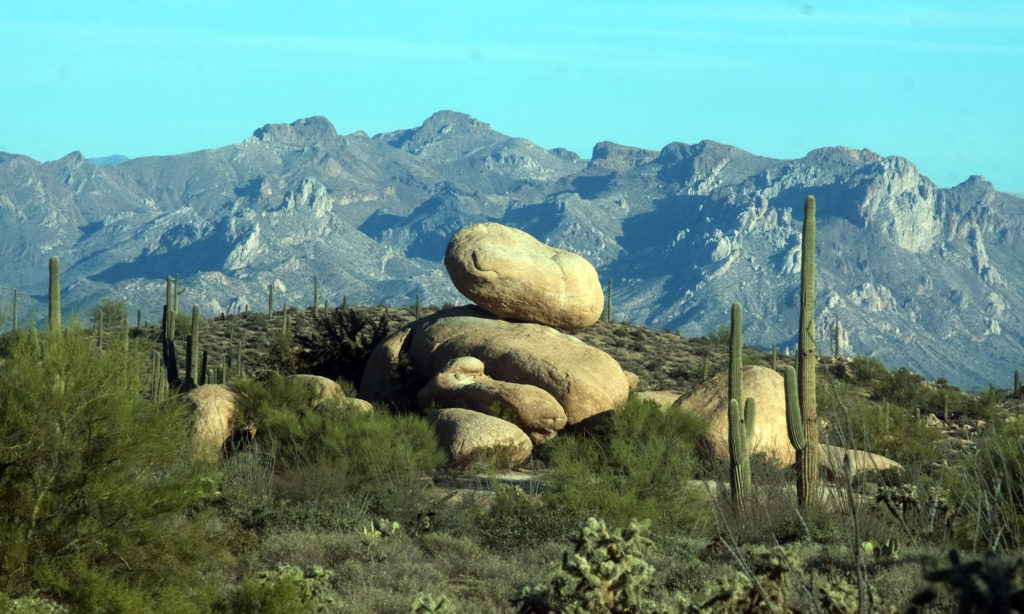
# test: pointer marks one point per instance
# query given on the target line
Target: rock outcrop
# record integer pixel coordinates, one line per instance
(584, 380)
(514, 276)
(462, 383)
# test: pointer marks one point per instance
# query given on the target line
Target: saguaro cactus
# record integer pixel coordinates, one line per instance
(804, 411)
(741, 425)
(192, 352)
(316, 294)
(609, 314)
(54, 305)
(270, 299)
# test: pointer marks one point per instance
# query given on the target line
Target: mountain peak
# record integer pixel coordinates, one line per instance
(316, 129)
(444, 130)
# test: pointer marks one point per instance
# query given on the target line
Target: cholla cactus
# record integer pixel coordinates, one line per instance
(604, 574)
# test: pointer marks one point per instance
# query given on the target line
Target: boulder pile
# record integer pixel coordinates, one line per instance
(506, 355)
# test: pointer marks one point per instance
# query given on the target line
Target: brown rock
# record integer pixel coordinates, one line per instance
(709, 399)
(463, 383)
(215, 406)
(632, 379)
(468, 435)
(325, 389)
(514, 276)
(860, 462)
(664, 398)
(328, 391)
(584, 380)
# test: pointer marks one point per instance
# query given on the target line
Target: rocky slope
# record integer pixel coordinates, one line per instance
(919, 276)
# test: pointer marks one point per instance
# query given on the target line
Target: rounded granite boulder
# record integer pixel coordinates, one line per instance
(516, 277)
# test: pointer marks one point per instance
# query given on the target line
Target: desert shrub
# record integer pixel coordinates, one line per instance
(325, 451)
(869, 372)
(719, 336)
(109, 314)
(286, 590)
(98, 497)
(890, 430)
(282, 353)
(987, 491)
(634, 462)
(340, 342)
(515, 520)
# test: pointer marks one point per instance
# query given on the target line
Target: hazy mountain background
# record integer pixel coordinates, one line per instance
(918, 276)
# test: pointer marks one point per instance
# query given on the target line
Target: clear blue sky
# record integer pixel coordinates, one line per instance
(940, 83)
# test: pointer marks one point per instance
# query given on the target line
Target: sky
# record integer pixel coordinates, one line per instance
(940, 83)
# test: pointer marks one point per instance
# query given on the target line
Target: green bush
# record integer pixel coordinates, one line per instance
(340, 342)
(987, 490)
(98, 496)
(324, 451)
(635, 463)
(890, 430)
(515, 520)
(109, 314)
(286, 590)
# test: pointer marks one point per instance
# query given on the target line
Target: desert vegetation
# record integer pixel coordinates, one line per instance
(320, 506)
(102, 507)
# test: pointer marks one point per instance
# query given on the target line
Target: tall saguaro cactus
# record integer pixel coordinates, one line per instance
(54, 305)
(803, 410)
(192, 369)
(741, 425)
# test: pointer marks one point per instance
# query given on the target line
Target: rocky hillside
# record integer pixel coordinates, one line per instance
(916, 275)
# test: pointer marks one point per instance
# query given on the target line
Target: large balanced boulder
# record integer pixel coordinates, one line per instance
(463, 383)
(214, 419)
(468, 435)
(582, 379)
(514, 276)
(710, 399)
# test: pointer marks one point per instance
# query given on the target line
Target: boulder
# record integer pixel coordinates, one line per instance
(213, 422)
(632, 379)
(664, 398)
(468, 435)
(516, 277)
(831, 460)
(327, 391)
(582, 379)
(462, 383)
(324, 388)
(710, 399)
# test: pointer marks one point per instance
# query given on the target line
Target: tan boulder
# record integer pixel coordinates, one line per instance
(514, 276)
(214, 420)
(664, 398)
(463, 383)
(583, 379)
(468, 435)
(832, 461)
(329, 391)
(324, 388)
(710, 399)
(632, 379)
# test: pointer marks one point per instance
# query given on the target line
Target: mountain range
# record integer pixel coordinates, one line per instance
(919, 276)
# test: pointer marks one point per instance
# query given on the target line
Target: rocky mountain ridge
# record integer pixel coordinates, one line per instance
(920, 276)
